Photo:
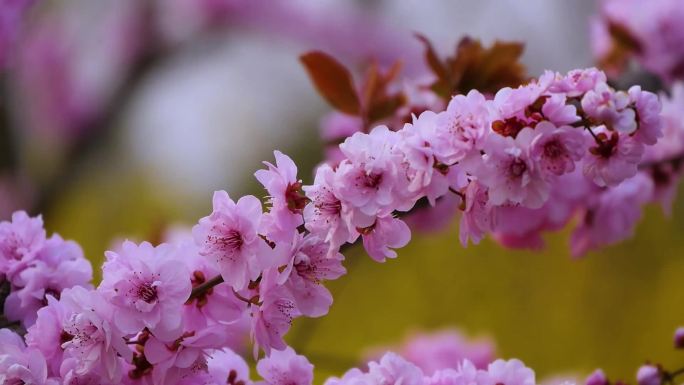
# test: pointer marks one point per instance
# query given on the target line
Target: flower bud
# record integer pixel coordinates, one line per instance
(597, 378)
(648, 375)
(679, 338)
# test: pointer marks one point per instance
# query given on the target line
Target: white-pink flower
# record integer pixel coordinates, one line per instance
(230, 238)
(285, 367)
(147, 286)
(509, 174)
(285, 196)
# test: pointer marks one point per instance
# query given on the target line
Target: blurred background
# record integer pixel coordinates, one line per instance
(119, 118)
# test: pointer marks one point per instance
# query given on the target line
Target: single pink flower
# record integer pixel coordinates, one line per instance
(285, 367)
(147, 286)
(230, 238)
(385, 234)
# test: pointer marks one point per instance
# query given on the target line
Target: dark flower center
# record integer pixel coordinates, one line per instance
(517, 167)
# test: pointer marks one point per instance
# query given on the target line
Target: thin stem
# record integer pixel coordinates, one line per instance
(203, 288)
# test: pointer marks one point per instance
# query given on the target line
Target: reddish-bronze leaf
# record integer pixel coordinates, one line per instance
(624, 45)
(476, 67)
(385, 107)
(333, 81)
(433, 60)
(377, 101)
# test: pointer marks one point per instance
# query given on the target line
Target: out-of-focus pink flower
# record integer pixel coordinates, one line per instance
(446, 349)
(59, 265)
(649, 375)
(393, 369)
(679, 338)
(597, 377)
(12, 13)
(613, 214)
(21, 365)
(648, 109)
(20, 241)
(477, 218)
(655, 34)
(285, 367)
(511, 372)
(615, 158)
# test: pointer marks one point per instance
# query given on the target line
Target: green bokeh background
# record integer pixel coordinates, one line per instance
(613, 309)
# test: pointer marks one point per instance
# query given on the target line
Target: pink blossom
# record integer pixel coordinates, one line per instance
(558, 111)
(369, 179)
(615, 158)
(227, 367)
(429, 173)
(393, 369)
(648, 110)
(649, 375)
(597, 377)
(477, 218)
(285, 367)
(509, 173)
(679, 338)
(229, 237)
(352, 377)
(21, 365)
(285, 196)
(555, 150)
(612, 215)
(327, 215)
(385, 234)
(91, 339)
(58, 265)
(147, 286)
(460, 128)
(612, 108)
(12, 14)
(20, 241)
(184, 357)
(578, 82)
(218, 305)
(655, 28)
(446, 349)
(309, 265)
(465, 373)
(511, 372)
(273, 317)
(47, 333)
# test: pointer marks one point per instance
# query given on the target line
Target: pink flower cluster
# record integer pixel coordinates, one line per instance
(520, 162)
(36, 268)
(394, 369)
